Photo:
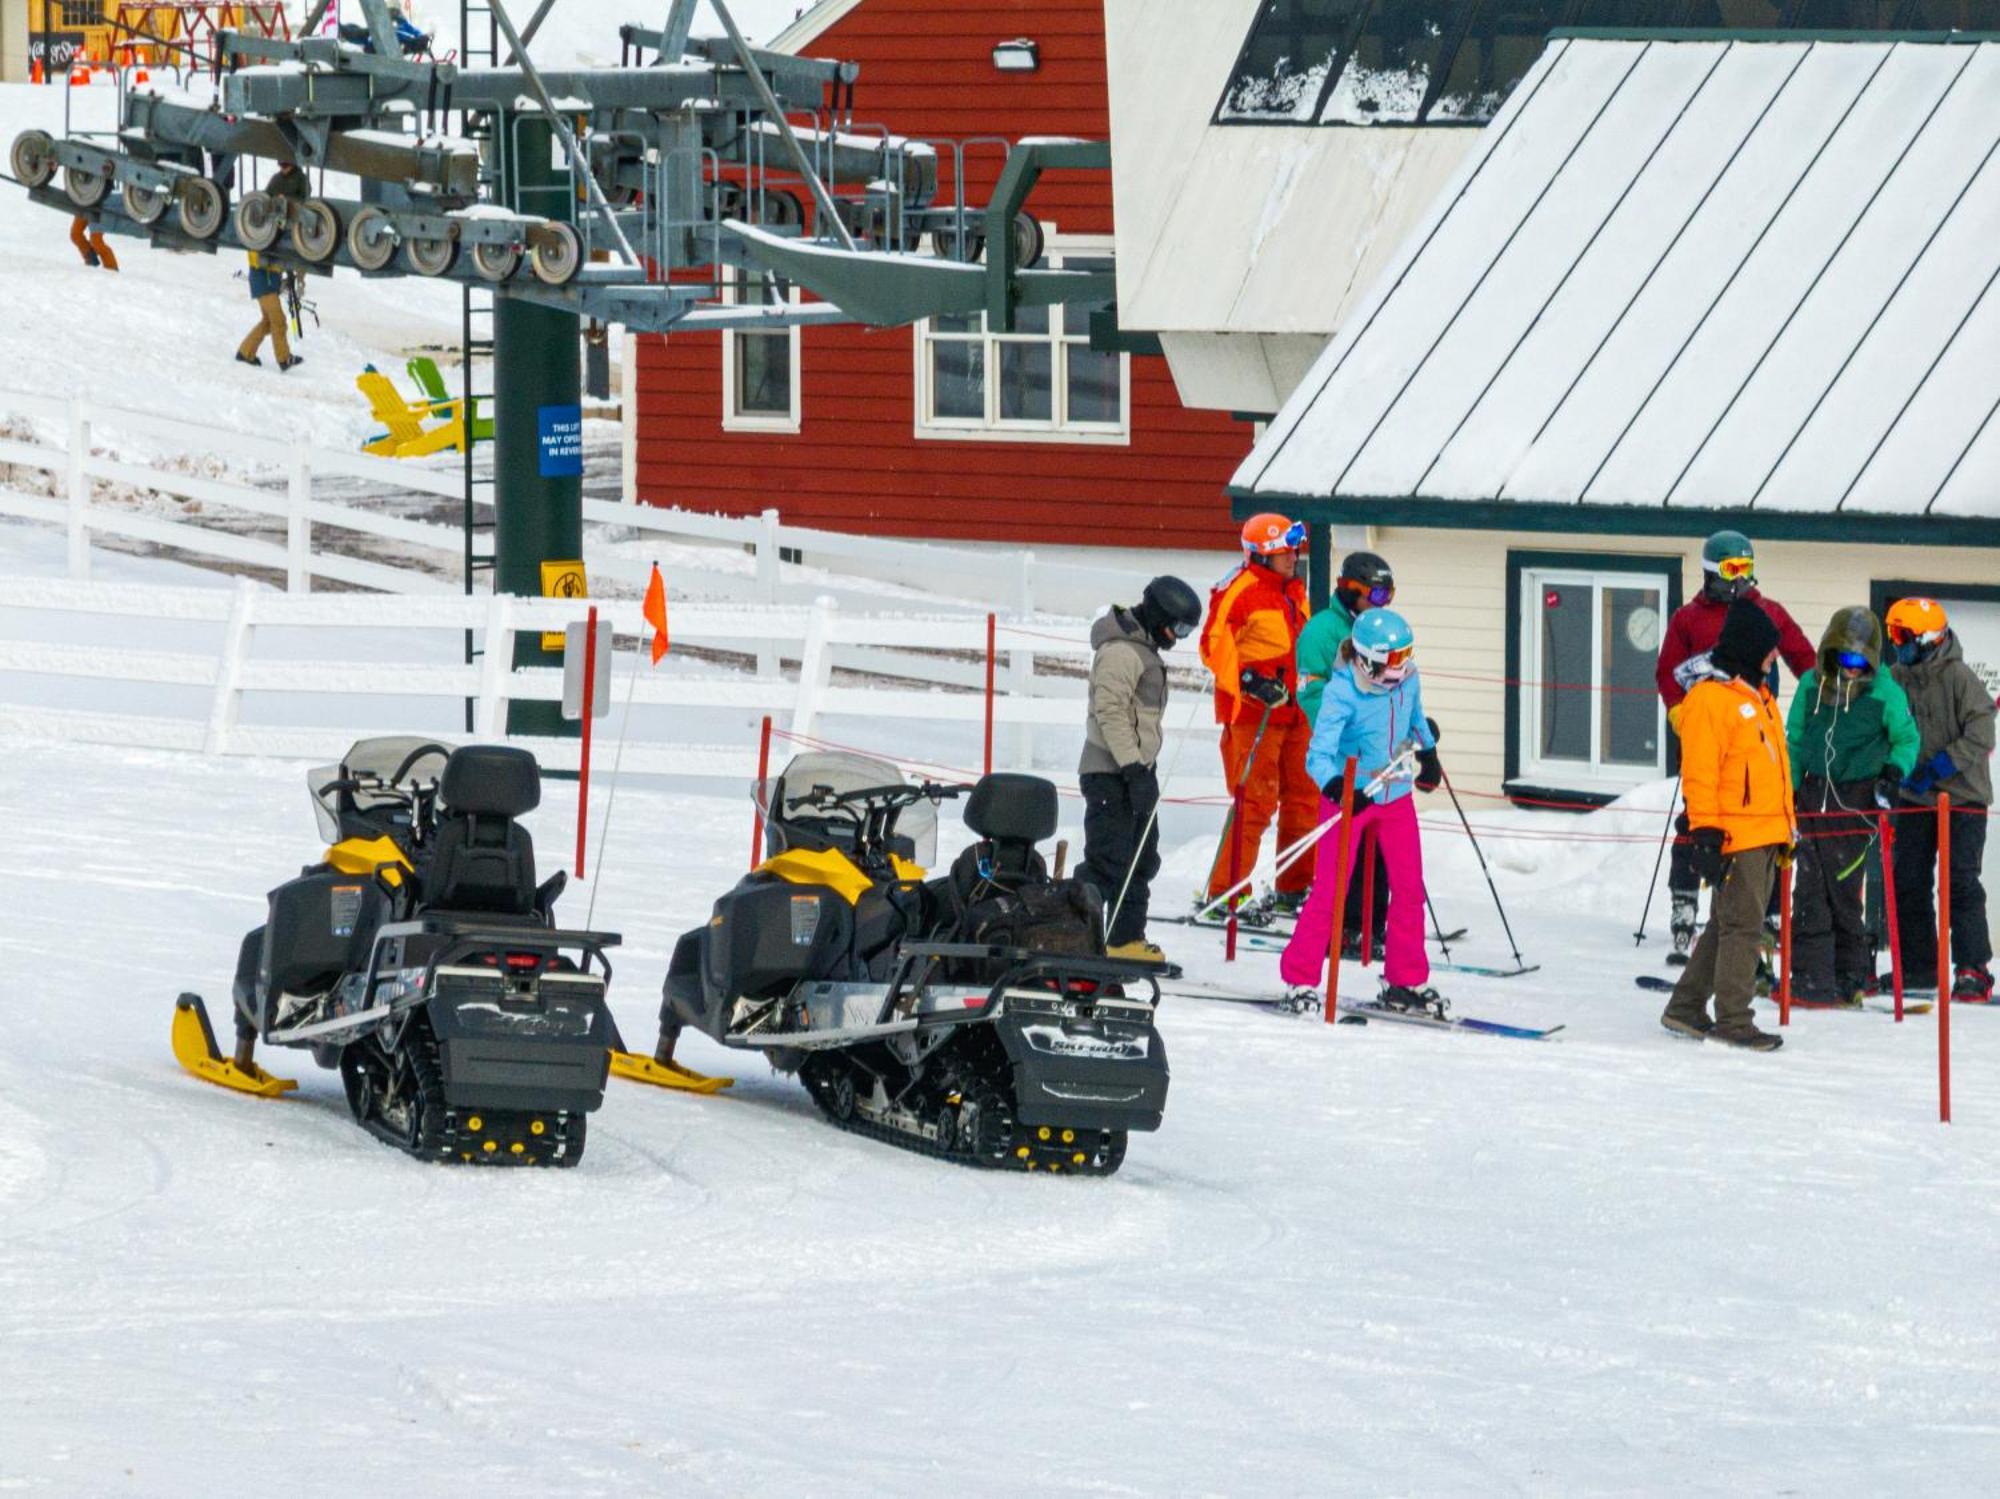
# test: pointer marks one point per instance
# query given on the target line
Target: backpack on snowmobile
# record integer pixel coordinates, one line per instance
(421, 958)
(972, 1016)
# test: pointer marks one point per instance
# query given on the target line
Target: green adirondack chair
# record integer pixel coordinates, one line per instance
(424, 371)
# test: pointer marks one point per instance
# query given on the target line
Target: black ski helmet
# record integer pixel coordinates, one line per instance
(1362, 576)
(1170, 611)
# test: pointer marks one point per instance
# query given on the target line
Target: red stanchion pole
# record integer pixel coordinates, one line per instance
(763, 775)
(1367, 899)
(1235, 867)
(589, 694)
(1785, 945)
(992, 628)
(1340, 875)
(1887, 828)
(1944, 955)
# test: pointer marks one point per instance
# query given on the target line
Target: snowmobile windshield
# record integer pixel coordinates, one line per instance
(821, 801)
(371, 791)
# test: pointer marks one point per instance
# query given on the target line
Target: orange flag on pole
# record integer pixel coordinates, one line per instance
(654, 611)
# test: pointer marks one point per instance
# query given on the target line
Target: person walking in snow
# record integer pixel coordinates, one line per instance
(1852, 741)
(1954, 713)
(1371, 709)
(91, 244)
(1737, 776)
(1250, 642)
(1121, 752)
(1729, 572)
(267, 289)
(1365, 582)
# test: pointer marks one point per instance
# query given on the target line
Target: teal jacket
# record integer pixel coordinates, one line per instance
(1319, 654)
(1845, 730)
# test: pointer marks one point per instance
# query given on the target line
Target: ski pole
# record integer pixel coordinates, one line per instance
(1478, 853)
(1139, 848)
(1653, 884)
(1291, 852)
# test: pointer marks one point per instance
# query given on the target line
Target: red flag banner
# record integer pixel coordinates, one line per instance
(654, 611)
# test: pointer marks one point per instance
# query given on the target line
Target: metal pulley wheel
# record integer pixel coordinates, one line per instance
(947, 243)
(86, 189)
(145, 204)
(1028, 240)
(371, 238)
(556, 254)
(260, 219)
(494, 260)
(429, 257)
(202, 209)
(316, 230)
(33, 157)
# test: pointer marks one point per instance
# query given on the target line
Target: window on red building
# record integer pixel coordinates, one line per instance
(760, 384)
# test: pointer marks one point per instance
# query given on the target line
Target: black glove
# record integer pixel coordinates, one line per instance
(1141, 786)
(1888, 790)
(1268, 690)
(1429, 772)
(1705, 857)
(1437, 734)
(1334, 790)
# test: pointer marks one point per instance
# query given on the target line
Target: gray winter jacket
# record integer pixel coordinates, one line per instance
(1954, 712)
(1128, 696)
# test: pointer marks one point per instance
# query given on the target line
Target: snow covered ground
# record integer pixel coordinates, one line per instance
(1355, 1261)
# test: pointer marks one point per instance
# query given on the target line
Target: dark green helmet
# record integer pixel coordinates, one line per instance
(1721, 549)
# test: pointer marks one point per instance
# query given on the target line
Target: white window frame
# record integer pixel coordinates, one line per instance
(991, 428)
(733, 418)
(1593, 775)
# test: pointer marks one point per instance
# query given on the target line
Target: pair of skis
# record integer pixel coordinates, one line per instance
(1873, 1004)
(1358, 1009)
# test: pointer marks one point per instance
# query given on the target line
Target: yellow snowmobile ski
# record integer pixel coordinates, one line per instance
(666, 1074)
(195, 1049)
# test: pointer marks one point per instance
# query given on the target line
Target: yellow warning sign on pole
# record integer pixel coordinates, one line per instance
(562, 580)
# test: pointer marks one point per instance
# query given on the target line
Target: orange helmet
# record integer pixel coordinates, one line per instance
(1919, 620)
(1269, 533)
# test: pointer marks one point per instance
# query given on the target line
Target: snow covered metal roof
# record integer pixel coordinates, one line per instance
(1698, 276)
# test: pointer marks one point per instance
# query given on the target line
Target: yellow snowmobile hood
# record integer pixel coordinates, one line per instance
(832, 868)
(365, 855)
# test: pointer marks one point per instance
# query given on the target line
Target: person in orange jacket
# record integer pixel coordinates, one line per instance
(1737, 776)
(1250, 641)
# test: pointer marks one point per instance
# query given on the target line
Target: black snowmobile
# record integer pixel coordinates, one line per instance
(421, 959)
(973, 1016)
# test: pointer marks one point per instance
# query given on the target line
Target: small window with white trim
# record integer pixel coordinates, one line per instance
(760, 366)
(1584, 707)
(1042, 382)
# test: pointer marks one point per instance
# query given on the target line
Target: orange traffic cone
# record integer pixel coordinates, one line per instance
(79, 73)
(35, 70)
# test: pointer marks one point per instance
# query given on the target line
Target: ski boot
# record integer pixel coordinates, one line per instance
(1413, 1001)
(1285, 905)
(1972, 986)
(1300, 999)
(1681, 926)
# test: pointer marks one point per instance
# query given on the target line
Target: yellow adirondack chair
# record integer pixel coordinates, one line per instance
(407, 437)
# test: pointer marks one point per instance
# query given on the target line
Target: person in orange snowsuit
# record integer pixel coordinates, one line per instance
(90, 244)
(1250, 641)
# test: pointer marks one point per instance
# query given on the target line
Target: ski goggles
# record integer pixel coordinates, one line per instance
(1294, 537)
(1180, 629)
(1736, 569)
(1378, 596)
(1394, 660)
(1903, 635)
(1853, 661)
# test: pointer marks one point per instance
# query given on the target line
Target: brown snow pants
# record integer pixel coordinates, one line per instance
(273, 322)
(1724, 963)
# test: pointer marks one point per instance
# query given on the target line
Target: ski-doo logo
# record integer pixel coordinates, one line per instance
(1058, 1042)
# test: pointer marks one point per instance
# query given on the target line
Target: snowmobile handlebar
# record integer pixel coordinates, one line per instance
(826, 799)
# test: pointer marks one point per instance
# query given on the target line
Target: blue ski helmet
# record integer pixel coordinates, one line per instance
(1383, 645)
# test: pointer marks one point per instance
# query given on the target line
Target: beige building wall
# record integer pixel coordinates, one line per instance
(13, 41)
(1452, 587)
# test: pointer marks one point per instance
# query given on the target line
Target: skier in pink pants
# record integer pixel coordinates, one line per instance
(1371, 710)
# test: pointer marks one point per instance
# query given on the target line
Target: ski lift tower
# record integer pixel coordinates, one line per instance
(626, 195)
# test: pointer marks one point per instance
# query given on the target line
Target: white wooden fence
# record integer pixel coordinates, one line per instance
(1008, 579)
(415, 636)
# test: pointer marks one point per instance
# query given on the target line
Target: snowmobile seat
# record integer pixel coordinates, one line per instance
(1006, 807)
(481, 859)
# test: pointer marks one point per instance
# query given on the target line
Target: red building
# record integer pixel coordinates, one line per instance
(945, 430)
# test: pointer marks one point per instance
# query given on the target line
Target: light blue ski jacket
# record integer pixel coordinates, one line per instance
(1367, 725)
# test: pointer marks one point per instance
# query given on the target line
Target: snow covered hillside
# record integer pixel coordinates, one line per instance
(1355, 1261)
